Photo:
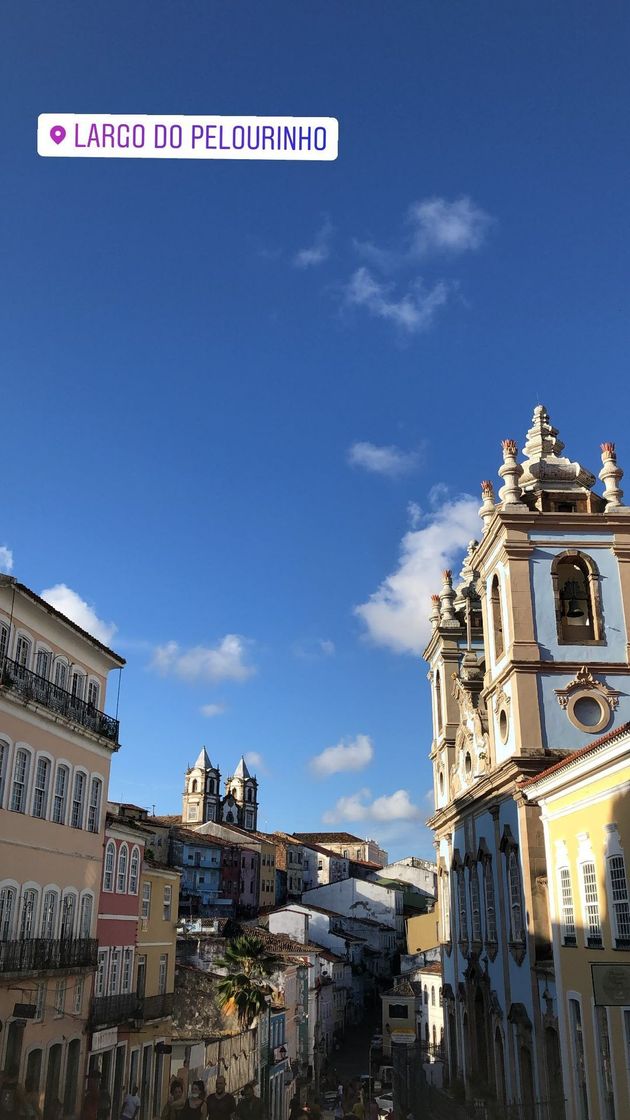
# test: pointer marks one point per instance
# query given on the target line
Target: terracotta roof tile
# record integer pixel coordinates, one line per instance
(575, 756)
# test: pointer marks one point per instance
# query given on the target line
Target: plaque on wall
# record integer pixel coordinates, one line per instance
(611, 984)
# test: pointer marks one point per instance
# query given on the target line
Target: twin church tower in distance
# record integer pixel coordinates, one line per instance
(203, 800)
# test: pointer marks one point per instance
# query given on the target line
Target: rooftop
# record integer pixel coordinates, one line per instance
(330, 837)
(10, 581)
(577, 756)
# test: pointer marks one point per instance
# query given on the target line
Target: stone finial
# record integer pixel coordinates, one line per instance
(510, 472)
(434, 616)
(447, 598)
(542, 438)
(488, 505)
(611, 475)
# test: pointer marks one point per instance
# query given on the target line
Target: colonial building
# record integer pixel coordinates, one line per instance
(585, 804)
(528, 660)
(56, 745)
(202, 800)
(348, 846)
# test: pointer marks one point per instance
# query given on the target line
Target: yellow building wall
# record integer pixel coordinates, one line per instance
(587, 807)
(423, 931)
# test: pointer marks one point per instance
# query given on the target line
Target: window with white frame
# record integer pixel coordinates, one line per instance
(8, 897)
(40, 793)
(591, 905)
(134, 870)
(121, 876)
(163, 974)
(20, 781)
(61, 674)
(567, 912)
(42, 663)
(4, 640)
(68, 912)
(620, 904)
(85, 917)
(22, 651)
(40, 1002)
(108, 866)
(167, 903)
(78, 800)
(475, 903)
(517, 928)
(461, 906)
(49, 915)
(605, 1074)
(28, 913)
(101, 972)
(4, 760)
(94, 808)
(59, 1001)
(62, 778)
(146, 900)
(78, 995)
(114, 972)
(93, 694)
(127, 971)
(77, 684)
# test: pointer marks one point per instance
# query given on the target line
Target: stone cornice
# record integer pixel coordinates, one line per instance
(496, 785)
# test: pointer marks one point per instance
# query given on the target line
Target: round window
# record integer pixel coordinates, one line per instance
(504, 725)
(588, 711)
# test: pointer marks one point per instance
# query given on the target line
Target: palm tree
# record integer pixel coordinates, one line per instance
(245, 990)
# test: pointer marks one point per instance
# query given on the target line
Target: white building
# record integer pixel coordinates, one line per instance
(360, 898)
(419, 873)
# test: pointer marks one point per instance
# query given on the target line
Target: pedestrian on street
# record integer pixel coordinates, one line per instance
(175, 1107)
(197, 1107)
(131, 1105)
(250, 1106)
(220, 1105)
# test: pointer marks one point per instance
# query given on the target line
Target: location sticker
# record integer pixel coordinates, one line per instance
(58, 133)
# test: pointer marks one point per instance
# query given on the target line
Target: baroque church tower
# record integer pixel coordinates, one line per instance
(202, 800)
(528, 661)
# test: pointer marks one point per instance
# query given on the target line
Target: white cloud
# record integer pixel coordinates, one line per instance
(413, 312)
(6, 559)
(396, 806)
(396, 614)
(319, 251)
(256, 761)
(354, 754)
(390, 461)
(211, 710)
(313, 649)
(64, 599)
(327, 647)
(224, 662)
(442, 226)
(414, 513)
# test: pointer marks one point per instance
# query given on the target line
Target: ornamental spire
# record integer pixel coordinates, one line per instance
(486, 511)
(510, 472)
(611, 475)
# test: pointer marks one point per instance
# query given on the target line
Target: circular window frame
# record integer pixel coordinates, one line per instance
(604, 707)
(504, 733)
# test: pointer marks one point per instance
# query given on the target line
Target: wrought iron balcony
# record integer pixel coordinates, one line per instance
(40, 954)
(157, 1007)
(30, 686)
(109, 1010)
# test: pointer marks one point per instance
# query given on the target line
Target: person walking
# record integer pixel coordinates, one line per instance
(130, 1105)
(220, 1105)
(175, 1107)
(250, 1107)
(197, 1108)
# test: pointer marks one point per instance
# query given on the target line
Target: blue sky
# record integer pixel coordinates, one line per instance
(240, 396)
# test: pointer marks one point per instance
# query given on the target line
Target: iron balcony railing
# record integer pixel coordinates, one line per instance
(109, 1010)
(40, 954)
(33, 687)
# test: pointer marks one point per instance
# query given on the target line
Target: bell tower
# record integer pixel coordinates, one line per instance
(242, 793)
(202, 786)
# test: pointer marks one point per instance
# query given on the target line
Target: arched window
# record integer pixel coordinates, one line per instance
(85, 917)
(134, 870)
(121, 878)
(438, 702)
(4, 763)
(49, 915)
(28, 913)
(61, 674)
(62, 778)
(77, 684)
(475, 903)
(517, 928)
(93, 694)
(94, 808)
(78, 799)
(576, 591)
(7, 912)
(250, 794)
(426, 994)
(433, 1000)
(108, 870)
(211, 787)
(42, 782)
(490, 905)
(194, 786)
(68, 911)
(497, 622)
(461, 900)
(19, 785)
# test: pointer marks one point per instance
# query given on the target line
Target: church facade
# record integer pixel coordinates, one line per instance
(204, 802)
(528, 662)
